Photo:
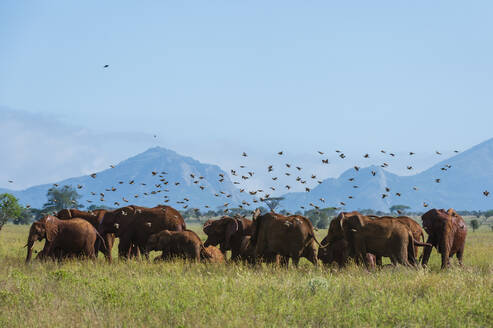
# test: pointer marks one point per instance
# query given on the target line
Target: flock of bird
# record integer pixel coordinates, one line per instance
(241, 174)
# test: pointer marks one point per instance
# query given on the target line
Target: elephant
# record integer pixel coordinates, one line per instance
(64, 238)
(338, 252)
(446, 232)
(94, 217)
(287, 236)
(134, 224)
(383, 237)
(184, 244)
(228, 232)
(212, 254)
(416, 230)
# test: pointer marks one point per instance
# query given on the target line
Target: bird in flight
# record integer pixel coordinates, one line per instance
(486, 193)
(106, 66)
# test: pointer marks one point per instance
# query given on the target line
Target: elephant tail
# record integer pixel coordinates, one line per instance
(423, 244)
(312, 236)
(411, 256)
(204, 254)
(101, 238)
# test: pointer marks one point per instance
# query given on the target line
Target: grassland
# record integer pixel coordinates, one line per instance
(143, 294)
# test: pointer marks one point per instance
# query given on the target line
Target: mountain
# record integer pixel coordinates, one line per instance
(463, 178)
(139, 168)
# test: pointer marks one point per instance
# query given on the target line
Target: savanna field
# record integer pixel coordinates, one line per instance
(138, 293)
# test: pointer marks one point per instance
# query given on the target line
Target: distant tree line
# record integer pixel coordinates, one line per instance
(67, 197)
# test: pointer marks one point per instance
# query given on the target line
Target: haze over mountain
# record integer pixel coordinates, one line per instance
(139, 168)
(463, 178)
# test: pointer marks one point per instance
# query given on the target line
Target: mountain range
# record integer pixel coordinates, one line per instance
(462, 180)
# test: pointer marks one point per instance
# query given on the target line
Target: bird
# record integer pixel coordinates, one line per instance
(93, 175)
(244, 154)
(486, 193)
(79, 186)
(10, 181)
(298, 168)
(242, 166)
(269, 168)
(274, 178)
(280, 153)
(342, 156)
(392, 154)
(411, 153)
(288, 165)
(425, 204)
(366, 155)
(398, 194)
(437, 180)
(356, 168)
(154, 173)
(313, 176)
(106, 66)
(438, 153)
(384, 195)
(409, 167)
(373, 173)
(320, 152)
(351, 179)
(382, 151)
(456, 151)
(387, 189)
(342, 203)
(288, 187)
(307, 189)
(112, 166)
(325, 161)
(415, 188)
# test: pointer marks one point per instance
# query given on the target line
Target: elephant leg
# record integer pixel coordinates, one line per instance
(296, 261)
(284, 261)
(445, 257)
(124, 247)
(109, 239)
(426, 253)
(459, 255)
(378, 260)
(235, 255)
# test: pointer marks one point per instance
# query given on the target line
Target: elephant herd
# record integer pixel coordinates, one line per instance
(268, 237)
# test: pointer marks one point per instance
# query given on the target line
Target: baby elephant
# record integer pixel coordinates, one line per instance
(212, 254)
(183, 244)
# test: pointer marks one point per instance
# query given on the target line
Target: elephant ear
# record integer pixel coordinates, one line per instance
(231, 229)
(65, 214)
(353, 222)
(51, 228)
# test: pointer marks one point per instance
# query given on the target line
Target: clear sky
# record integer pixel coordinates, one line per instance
(214, 78)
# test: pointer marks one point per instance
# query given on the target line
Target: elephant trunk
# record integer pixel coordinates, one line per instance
(29, 246)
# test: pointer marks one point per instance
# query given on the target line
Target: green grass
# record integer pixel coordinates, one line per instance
(143, 294)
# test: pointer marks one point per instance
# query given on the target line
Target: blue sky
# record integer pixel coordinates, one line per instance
(214, 78)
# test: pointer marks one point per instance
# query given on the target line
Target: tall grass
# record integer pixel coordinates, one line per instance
(142, 294)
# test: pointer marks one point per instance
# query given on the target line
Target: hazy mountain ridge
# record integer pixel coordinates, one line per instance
(139, 168)
(461, 185)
